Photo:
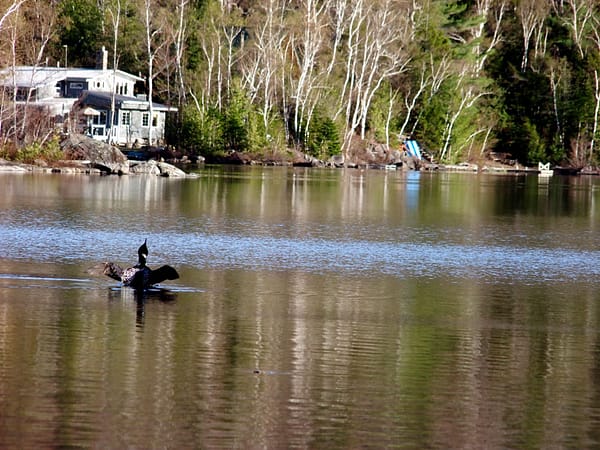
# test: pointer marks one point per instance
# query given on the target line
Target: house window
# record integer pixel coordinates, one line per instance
(99, 119)
(126, 118)
(155, 120)
(145, 119)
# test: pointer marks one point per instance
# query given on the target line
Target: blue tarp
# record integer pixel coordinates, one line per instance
(413, 148)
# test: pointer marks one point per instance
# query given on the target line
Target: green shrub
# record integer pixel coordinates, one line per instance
(48, 151)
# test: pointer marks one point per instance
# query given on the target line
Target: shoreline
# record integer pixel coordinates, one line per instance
(175, 169)
(84, 167)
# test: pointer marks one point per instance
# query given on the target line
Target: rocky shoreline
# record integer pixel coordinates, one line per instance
(84, 155)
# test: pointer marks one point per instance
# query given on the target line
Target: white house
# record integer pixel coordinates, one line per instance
(87, 97)
(131, 124)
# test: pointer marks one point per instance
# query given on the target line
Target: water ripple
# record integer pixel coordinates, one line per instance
(402, 259)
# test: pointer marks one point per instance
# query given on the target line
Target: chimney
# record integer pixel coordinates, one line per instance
(102, 59)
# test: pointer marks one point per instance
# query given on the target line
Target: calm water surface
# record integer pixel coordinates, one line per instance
(315, 309)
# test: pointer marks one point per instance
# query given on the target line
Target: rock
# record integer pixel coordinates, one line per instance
(378, 152)
(337, 161)
(144, 167)
(396, 157)
(168, 170)
(109, 159)
(152, 167)
(101, 155)
(309, 161)
(410, 162)
(7, 166)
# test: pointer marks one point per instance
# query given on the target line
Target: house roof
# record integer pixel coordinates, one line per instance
(32, 77)
(25, 76)
(104, 99)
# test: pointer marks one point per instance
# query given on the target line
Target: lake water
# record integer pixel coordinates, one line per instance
(337, 309)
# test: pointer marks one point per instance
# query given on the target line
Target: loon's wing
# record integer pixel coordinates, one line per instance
(163, 273)
(113, 270)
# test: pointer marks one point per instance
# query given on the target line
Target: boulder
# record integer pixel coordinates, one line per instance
(396, 157)
(152, 167)
(169, 170)
(107, 158)
(337, 161)
(410, 162)
(144, 167)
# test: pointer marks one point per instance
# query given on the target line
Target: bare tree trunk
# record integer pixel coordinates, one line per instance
(410, 100)
(307, 49)
(231, 32)
(388, 119)
(532, 14)
(180, 34)
(596, 40)
(212, 49)
(266, 58)
(42, 17)
(153, 46)
(12, 8)
(596, 113)
(377, 51)
(468, 99)
(149, 40)
(581, 13)
(209, 53)
(9, 112)
(554, 83)
(115, 16)
(13, 54)
(483, 9)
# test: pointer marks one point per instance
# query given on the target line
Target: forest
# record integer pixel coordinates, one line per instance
(327, 77)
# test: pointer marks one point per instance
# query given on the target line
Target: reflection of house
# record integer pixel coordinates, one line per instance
(86, 95)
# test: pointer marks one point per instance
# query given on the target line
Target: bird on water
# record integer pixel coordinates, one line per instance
(140, 276)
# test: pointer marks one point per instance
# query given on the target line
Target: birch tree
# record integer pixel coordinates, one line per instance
(532, 14)
(378, 35)
(210, 46)
(338, 11)
(8, 51)
(8, 9)
(578, 18)
(595, 38)
(490, 14)
(154, 43)
(114, 12)
(265, 58)
(39, 22)
(467, 97)
(180, 31)
(307, 47)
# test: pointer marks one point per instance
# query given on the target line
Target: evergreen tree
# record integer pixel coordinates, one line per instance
(236, 122)
(323, 139)
(81, 31)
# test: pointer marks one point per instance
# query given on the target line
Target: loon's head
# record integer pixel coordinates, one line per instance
(142, 253)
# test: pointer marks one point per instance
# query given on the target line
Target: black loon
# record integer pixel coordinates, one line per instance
(140, 276)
